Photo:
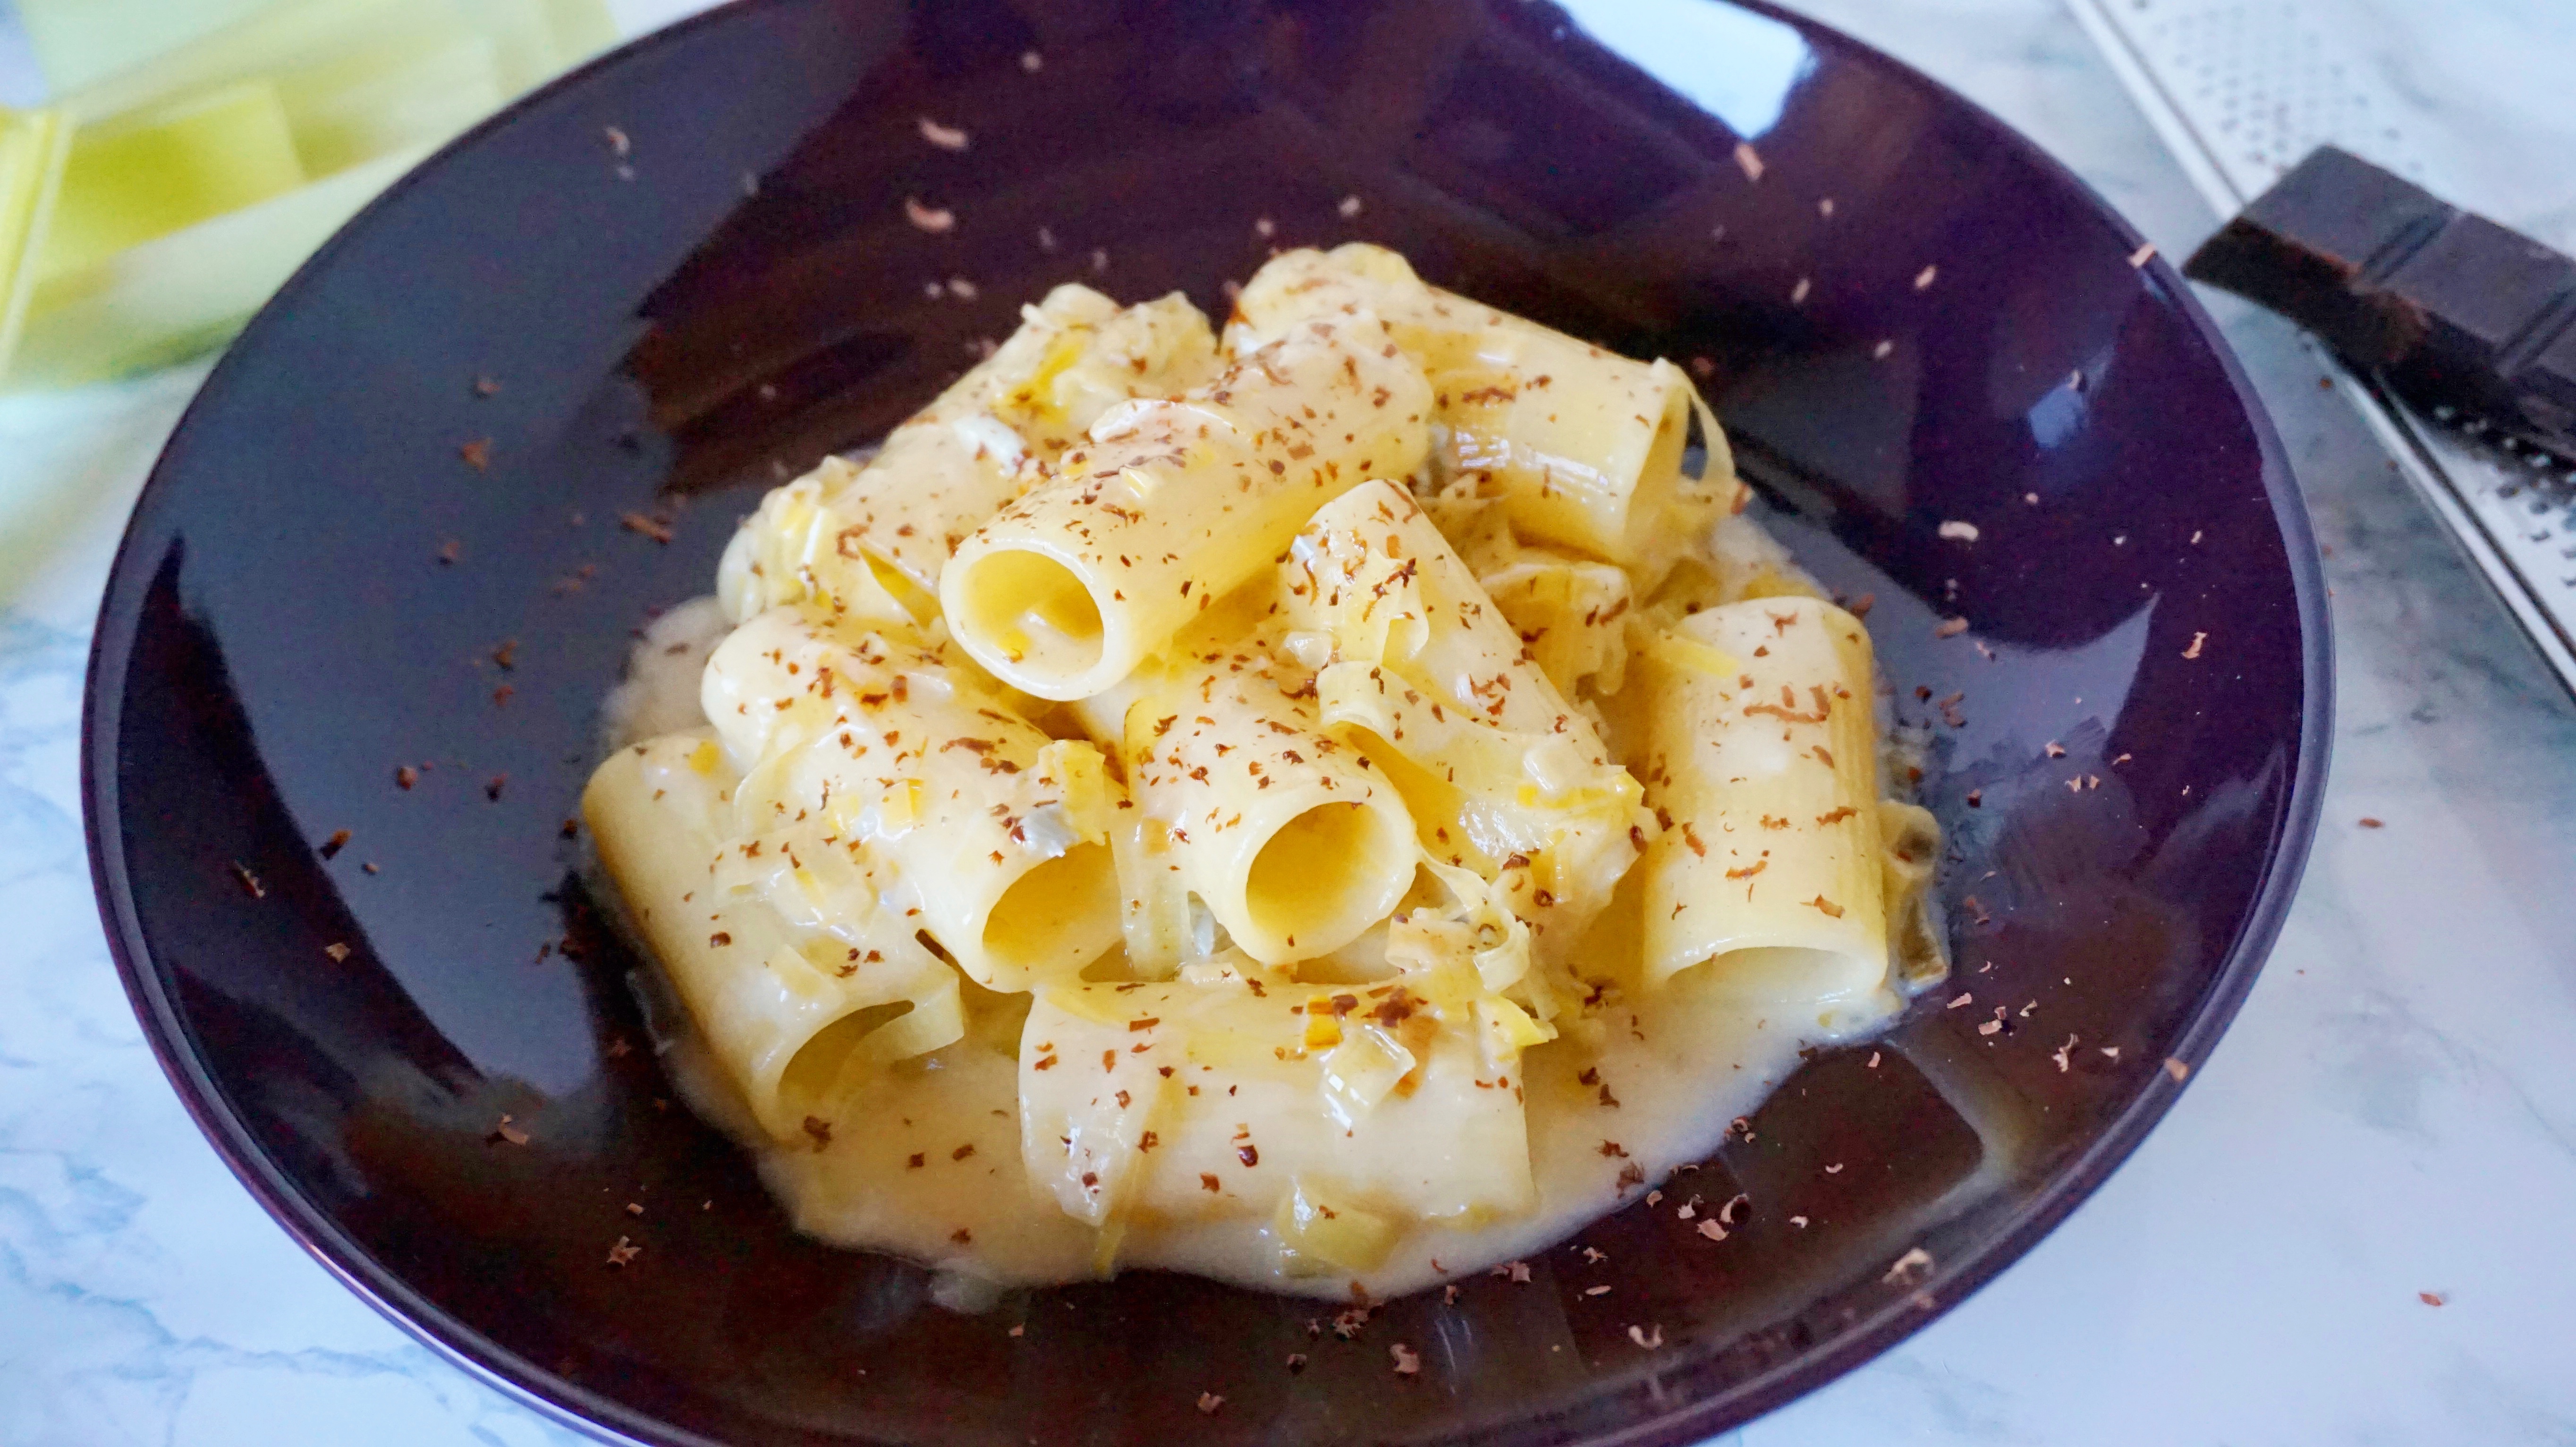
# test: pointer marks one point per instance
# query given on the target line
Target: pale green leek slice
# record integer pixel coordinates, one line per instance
(80, 41)
(140, 47)
(541, 39)
(534, 39)
(426, 79)
(33, 148)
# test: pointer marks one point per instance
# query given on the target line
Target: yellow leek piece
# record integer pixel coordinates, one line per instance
(170, 297)
(1320, 1234)
(33, 148)
(165, 168)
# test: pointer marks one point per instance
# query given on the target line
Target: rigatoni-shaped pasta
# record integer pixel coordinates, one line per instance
(995, 832)
(794, 1016)
(1291, 838)
(1501, 774)
(1331, 926)
(1584, 446)
(1176, 502)
(1761, 753)
(864, 540)
(1171, 1103)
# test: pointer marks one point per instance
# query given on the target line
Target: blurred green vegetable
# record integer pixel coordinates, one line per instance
(161, 168)
(33, 146)
(170, 298)
(147, 212)
(78, 41)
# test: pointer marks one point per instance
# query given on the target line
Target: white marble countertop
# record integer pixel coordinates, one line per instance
(2393, 1114)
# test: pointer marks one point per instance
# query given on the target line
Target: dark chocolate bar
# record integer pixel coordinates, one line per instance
(2452, 309)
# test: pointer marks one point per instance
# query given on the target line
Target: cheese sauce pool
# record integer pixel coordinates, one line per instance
(932, 1170)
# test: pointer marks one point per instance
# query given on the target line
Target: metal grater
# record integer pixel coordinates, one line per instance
(2241, 90)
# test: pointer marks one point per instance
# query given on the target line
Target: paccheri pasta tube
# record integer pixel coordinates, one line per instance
(797, 1018)
(1294, 841)
(997, 834)
(1388, 1104)
(872, 540)
(1761, 756)
(1174, 503)
(1583, 446)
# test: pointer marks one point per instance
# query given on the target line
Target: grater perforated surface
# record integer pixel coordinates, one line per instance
(2241, 90)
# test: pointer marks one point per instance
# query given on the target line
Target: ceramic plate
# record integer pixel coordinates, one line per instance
(519, 403)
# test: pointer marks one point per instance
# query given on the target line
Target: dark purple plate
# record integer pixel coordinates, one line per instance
(684, 272)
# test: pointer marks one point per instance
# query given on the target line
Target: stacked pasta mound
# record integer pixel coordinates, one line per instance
(1240, 768)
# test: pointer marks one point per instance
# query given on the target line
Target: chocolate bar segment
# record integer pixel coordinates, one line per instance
(2482, 290)
(2309, 247)
(2451, 308)
(2544, 386)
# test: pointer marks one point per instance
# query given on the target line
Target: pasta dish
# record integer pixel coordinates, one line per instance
(1330, 806)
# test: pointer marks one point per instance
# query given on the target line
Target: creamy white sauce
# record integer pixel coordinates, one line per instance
(1681, 1070)
(660, 692)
